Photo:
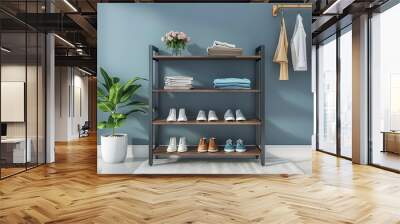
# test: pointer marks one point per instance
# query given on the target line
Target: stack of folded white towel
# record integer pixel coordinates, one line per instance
(178, 82)
(220, 48)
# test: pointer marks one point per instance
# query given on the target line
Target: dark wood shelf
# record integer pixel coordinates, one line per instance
(206, 57)
(211, 90)
(220, 122)
(252, 152)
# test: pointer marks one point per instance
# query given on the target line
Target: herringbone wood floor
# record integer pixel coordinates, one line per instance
(70, 191)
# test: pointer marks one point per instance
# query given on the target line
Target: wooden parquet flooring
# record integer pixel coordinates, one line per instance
(70, 191)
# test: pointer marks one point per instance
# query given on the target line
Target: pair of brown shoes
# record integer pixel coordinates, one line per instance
(210, 147)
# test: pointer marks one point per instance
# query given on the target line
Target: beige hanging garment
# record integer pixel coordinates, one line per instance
(281, 53)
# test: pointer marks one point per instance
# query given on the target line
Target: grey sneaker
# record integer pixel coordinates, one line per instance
(201, 116)
(229, 146)
(239, 115)
(182, 147)
(182, 115)
(240, 146)
(172, 145)
(212, 116)
(171, 115)
(228, 116)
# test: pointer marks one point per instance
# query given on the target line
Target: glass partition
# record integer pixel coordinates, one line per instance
(327, 96)
(22, 101)
(41, 88)
(32, 97)
(346, 93)
(385, 90)
(14, 153)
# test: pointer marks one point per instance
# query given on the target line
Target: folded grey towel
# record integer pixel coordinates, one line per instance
(219, 51)
(223, 44)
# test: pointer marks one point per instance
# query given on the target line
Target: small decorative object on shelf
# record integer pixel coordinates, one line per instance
(176, 41)
(116, 99)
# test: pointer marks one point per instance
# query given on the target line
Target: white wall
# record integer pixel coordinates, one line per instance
(71, 87)
(34, 125)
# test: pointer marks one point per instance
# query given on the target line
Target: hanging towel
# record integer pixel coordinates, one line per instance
(281, 52)
(298, 46)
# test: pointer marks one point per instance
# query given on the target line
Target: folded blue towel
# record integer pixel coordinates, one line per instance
(232, 87)
(231, 80)
(232, 84)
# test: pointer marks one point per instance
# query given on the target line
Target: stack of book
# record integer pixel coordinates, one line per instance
(178, 82)
(224, 49)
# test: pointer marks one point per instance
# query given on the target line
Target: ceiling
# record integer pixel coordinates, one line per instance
(75, 21)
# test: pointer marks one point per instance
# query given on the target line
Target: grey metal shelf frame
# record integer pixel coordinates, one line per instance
(156, 150)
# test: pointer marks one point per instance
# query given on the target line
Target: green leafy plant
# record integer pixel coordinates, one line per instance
(116, 99)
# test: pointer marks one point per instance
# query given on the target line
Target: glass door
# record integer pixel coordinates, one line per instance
(326, 138)
(346, 92)
(385, 90)
(22, 92)
(14, 153)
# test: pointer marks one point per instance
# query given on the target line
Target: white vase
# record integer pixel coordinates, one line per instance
(114, 148)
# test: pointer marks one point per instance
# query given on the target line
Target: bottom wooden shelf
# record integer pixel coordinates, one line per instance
(252, 152)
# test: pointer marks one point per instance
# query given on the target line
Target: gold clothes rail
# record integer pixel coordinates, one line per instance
(277, 7)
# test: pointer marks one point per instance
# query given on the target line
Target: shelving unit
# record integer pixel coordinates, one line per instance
(256, 151)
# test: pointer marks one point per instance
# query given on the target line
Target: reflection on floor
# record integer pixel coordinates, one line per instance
(10, 171)
(387, 159)
(70, 191)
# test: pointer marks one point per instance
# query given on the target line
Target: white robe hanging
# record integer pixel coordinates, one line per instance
(298, 46)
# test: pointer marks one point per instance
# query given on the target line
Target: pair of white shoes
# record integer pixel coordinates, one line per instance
(182, 147)
(228, 116)
(172, 115)
(212, 116)
(201, 116)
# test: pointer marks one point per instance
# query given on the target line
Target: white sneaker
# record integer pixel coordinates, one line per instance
(239, 115)
(201, 116)
(212, 116)
(172, 115)
(228, 116)
(182, 145)
(172, 145)
(182, 115)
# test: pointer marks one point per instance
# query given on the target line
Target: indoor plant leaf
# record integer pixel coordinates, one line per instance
(107, 79)
(115, 80)
(135, 103)
(106, 106)
(119, 116)
(101, 92)
(115, 93)
(142, 110)
(129, 92)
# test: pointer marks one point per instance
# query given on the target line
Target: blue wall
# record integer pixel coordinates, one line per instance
(126, 30)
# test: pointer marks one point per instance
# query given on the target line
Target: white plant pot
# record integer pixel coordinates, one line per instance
(114, 148)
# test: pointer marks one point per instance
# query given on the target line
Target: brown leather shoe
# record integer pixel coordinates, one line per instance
(202, 147)
(212, 145)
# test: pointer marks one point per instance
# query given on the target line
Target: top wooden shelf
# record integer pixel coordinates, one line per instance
(206, 57)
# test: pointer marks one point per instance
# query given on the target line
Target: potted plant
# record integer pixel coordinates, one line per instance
(116, 99)
(176, 41)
